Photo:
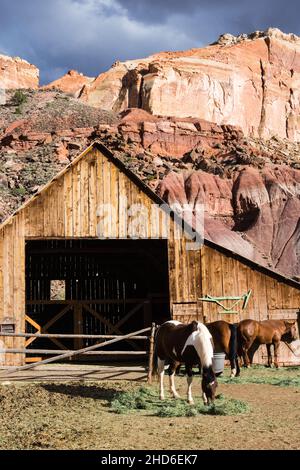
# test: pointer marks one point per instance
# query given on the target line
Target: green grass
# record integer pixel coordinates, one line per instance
(283, 377)
(146, 398)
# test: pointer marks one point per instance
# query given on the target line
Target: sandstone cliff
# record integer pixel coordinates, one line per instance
(71, 83)
(17, 73)
(251, 81)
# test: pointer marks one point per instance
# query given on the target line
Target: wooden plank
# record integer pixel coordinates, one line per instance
(262, 296)
(128, 192)
(93, 196)
(66, 336)
(52, 212)
(244, 287)
(84, 198)
(19, 282)
(8, 282)
(46, 211)
(271, 293)
(99, 194)
(122, 206)
(205, 284)
(55, 352)
(114, 199)
(106, 168)
(68, 203)
(76, 201)
(60, 232)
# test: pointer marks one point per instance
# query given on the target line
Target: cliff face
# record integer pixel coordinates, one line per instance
(250, 81)
(17, 73)
(71, 83)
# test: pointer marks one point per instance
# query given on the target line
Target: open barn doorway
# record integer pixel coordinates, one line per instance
(93, 287)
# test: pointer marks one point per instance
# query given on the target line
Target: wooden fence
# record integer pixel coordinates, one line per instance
(90, 350)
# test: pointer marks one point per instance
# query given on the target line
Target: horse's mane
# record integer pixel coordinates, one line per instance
(206, 350)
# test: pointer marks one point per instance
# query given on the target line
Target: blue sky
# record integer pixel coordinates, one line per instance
(90, 35)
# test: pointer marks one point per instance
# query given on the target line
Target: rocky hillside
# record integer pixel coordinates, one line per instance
(248, 181)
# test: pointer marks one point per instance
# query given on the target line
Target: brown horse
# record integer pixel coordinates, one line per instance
(225, 340)
(266, 332)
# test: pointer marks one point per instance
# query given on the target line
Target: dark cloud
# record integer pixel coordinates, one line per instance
(89, 35)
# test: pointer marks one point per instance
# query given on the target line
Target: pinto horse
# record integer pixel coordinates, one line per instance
(266, 332)
(177, 343)
(225, 340)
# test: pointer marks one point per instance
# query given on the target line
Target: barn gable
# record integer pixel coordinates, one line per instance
(66, 209)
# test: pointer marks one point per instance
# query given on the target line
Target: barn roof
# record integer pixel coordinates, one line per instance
(158, 200)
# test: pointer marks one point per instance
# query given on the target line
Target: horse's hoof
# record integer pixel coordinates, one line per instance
(176, 397)
(162, 398)
(191, 402)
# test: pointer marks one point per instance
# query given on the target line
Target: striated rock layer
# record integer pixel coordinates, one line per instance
(251, 81)
(254, 213)
(17, 73)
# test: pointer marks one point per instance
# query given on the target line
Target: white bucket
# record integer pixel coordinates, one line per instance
(218, 362)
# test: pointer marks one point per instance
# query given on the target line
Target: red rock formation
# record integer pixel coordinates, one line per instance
(71, 83)
(249, 81)
(17, 73)
(171, 136)
(254, 213)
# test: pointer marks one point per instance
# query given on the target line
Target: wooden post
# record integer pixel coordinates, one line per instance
(151, 354)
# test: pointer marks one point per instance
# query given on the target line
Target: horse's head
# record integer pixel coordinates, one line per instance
(291, 333)
(209, 385)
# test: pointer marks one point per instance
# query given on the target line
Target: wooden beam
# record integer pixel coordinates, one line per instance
(83, 302)
(58, 335)
(129, 314)
(57, 352)
(56, 318)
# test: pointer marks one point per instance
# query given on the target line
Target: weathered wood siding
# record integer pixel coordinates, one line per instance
(270, 299)
(68, 208)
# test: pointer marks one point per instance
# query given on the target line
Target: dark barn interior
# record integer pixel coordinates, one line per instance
(94, 287)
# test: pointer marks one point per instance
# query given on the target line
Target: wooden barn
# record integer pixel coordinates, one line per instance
(67, 268)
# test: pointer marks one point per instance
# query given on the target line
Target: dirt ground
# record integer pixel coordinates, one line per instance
(77, 415)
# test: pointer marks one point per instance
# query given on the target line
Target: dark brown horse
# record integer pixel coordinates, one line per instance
(190, 344)
(225, 340)
(266, 332)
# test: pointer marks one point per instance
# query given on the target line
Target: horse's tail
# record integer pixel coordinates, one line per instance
(233, 349)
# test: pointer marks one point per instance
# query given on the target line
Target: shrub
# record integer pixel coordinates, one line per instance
(19, 98)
